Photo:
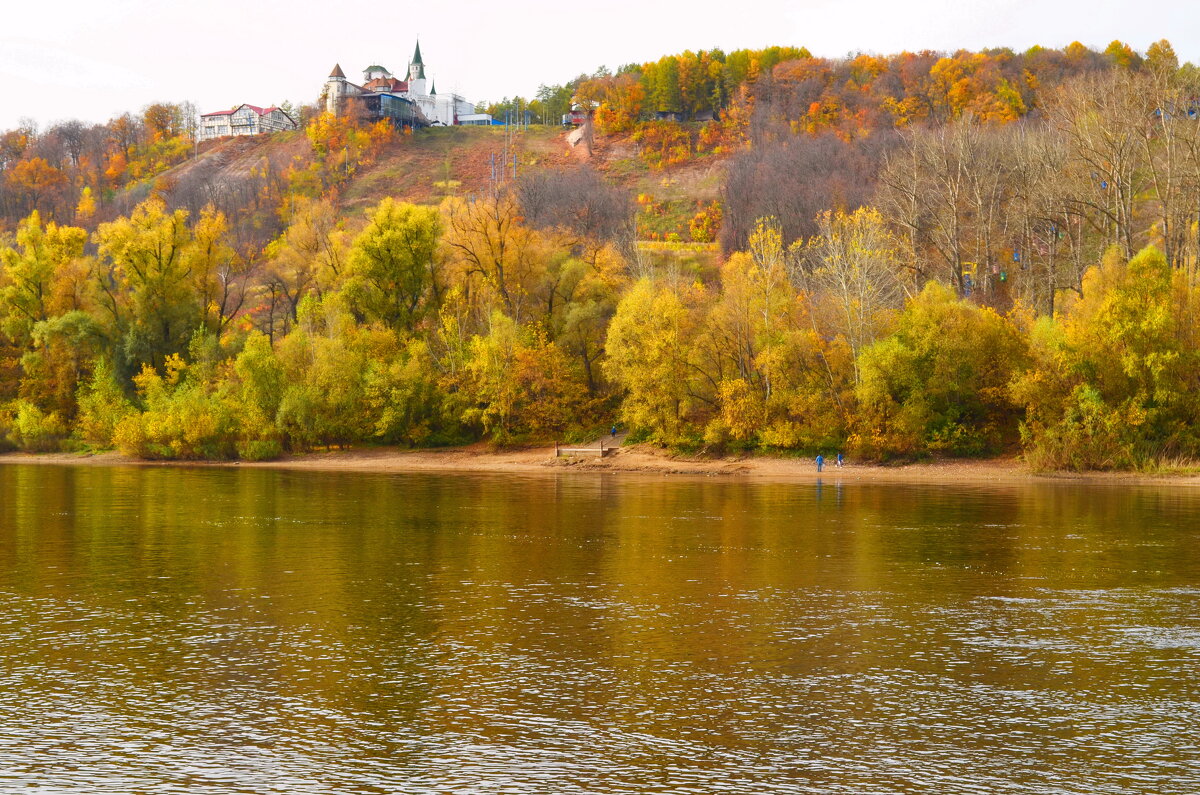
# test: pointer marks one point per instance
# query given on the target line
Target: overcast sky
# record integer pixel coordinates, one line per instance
(93, 60)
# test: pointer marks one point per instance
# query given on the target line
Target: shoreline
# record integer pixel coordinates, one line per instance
(634, 460)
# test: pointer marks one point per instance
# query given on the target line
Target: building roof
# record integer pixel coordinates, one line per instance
(417, 54)
(337, 71)
(386, 84)
(236, 108)
(433, 89)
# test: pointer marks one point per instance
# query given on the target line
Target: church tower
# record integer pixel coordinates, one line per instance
(335, 90)
(416, 74)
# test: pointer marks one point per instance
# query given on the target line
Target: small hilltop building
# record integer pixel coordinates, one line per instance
(406, 102)
(244, 120)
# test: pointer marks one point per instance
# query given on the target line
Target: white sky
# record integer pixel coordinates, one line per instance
(93, 60)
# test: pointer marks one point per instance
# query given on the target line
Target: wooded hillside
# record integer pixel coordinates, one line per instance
(903, 255)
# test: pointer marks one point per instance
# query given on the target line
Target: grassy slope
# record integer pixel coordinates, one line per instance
(429, 165)
(426, 166)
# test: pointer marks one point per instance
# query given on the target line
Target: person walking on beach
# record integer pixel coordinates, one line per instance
(839, 461)
(820, 462)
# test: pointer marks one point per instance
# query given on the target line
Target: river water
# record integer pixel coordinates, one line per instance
(174, 630)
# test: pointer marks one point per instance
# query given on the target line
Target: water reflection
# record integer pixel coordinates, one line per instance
(176, 630)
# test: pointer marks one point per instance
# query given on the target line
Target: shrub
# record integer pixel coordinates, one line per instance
(102, 406)
(36, 431)
(259, 450)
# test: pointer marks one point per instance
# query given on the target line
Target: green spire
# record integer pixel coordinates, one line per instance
(433, 88)
(416, 69)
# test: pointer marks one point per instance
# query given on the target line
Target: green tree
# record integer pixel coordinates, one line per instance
(261, 385)
(102, 406)
(939, 383)
(59, 359)
(393, 275)
(184, 416)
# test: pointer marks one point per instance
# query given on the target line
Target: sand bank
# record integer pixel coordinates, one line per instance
(637, 459)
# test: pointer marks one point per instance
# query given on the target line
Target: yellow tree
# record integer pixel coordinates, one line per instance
(56, 343)
(495, 257)
(1114, 378)
(218, 273)
(144, 279)
(33, 269)
(309, 257)
(650, 356)
(853, 272)
(520, 383)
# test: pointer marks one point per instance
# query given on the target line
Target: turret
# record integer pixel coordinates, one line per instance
(416, 67)
(416, 73)
(335, 90)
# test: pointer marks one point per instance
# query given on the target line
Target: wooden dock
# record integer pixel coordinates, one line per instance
(597, 448)
(599, 451)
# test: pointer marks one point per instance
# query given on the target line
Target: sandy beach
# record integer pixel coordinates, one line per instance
(636, 459)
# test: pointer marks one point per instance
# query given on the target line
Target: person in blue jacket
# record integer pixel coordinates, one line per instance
(820, 462)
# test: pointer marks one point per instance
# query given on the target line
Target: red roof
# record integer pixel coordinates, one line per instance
(231, 111)
(386, 84)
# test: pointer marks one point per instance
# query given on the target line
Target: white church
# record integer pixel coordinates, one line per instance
(406, 102)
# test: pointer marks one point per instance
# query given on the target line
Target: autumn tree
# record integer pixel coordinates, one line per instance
(851, 266)
(308, 257)
(939, 382)
(394, 272)
(32, 270)
(37, 181)
(651, 358)
(220, 276)
(145, 281)
(497, 258)
(1115, 374)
